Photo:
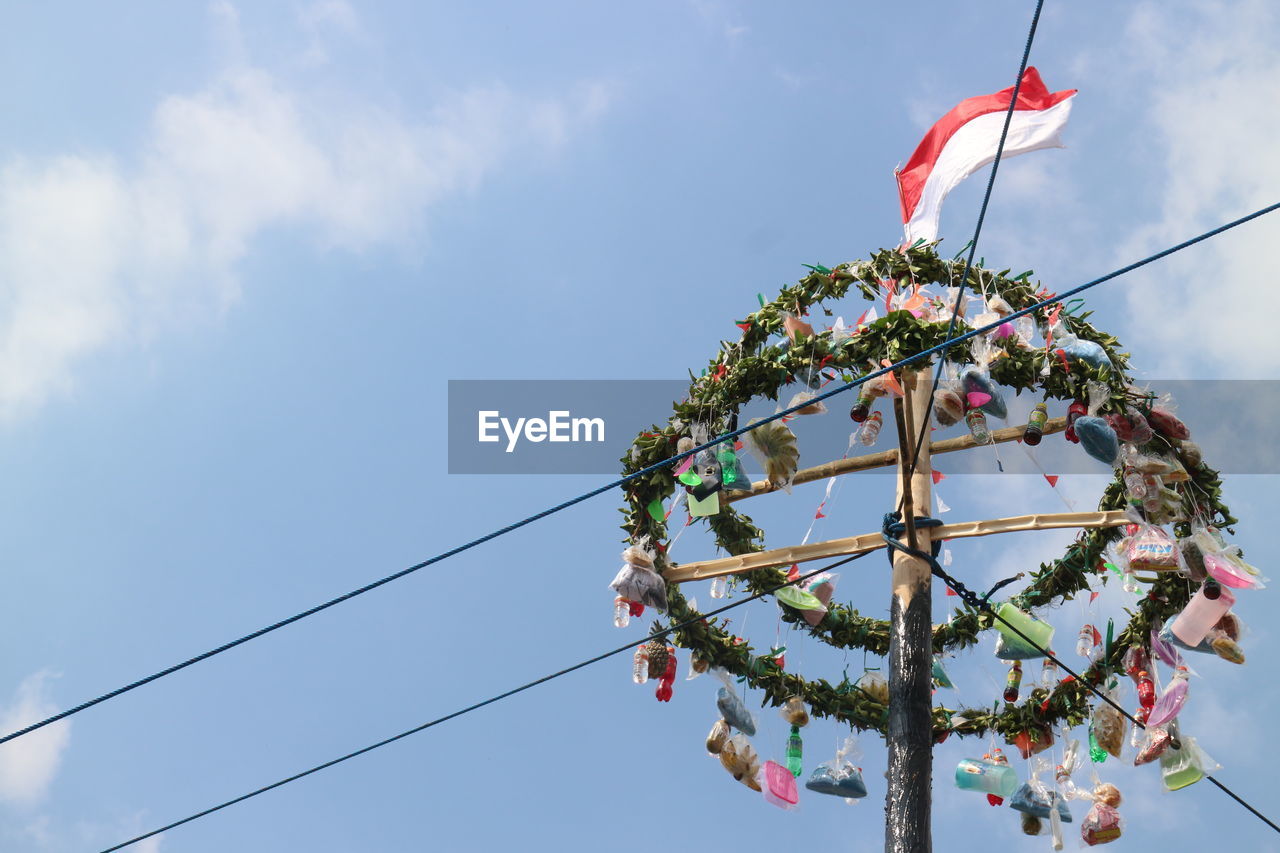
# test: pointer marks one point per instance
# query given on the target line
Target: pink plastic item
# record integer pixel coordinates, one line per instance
(778, 785)
(1171, 700)
(977, 399)
(1227, 573)
(1201, 614)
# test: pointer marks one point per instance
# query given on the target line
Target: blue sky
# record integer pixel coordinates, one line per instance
(244, 247)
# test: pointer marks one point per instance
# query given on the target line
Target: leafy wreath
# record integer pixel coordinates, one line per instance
(754, 367)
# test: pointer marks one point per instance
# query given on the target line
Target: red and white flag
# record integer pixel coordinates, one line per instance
(965, 140)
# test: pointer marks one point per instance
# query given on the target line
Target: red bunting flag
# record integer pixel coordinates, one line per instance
(1053, 479)
(938, 477)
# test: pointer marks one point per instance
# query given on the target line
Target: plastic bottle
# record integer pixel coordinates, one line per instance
(1049, 674)
(1084, 644)
(1035, 425)
(795, 752)
(1074, 411)
(719, 587)
(1146, 690)
(621, 612)
(1012, 682)
(1135, 484)
(862, 409)
(977, 423)
(871, 429)
(1201, 613)
(640, 666)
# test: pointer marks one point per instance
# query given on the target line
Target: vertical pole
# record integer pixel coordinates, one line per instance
(908, 802)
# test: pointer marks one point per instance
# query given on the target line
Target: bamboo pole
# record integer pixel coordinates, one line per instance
(849, 545)
(886, 458)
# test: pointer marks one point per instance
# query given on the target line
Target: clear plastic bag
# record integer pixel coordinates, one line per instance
(1107, 727)
(823, 587)
(739, 757)
(1035, 638)
(1150, 549)
(1026, 800)
(1186, 765)
(1096, 435)
(980, 391)
(733, 477)
(637, 580)
(731, 707)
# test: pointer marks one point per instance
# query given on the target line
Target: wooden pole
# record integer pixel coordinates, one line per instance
(909, 799)
(700, 570)
(885, 458)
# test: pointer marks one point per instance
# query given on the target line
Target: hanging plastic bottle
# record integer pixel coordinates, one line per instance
(640, 665)
(871, 429)
(1012, 682)
(998, 759)
(1146, 690)
(1049, 674)
(621, 612)
(1075, 410)
(1085, 642)
(1135, 485)
(862, 409)
(795, 752)
(1035, 425)
(719, 587)
(977, 422)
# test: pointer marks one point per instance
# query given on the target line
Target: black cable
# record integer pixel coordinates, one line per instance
(977, 602)
(641, 473)
(977, 232)
(491, 700)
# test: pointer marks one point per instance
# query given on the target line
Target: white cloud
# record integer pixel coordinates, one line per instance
(1210, 122)
(28, 764)
(96, 251)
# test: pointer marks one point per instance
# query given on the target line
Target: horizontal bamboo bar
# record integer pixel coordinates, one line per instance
(888, 458)
(850, 545)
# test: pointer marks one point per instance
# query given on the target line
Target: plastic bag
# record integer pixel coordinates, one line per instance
(1077, 349)
(1012, 646)
(1029, 802)
(1151, 549)
(823, 587)
(637, 581)
(844, 781)
(817, 407)
(840, 778)
(1186, 765)
(733, 478)
(1096, 435)
(1107, 727)
(1102, 824)
(732, 709)
(794, 712)
(948, 404)
(980, 391)
(774, 446)
(718, 737)
(739, 757)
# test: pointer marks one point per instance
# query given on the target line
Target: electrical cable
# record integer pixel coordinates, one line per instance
(977, 232)
(491, 700)
(980, 602)
(924, 354)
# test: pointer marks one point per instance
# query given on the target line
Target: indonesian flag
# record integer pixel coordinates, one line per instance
(965, 140)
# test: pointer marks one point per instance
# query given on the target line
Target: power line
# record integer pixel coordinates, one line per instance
(491, 700)
(980, 602)
(977, 232)
(925, 354)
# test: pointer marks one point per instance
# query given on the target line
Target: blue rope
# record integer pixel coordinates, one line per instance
(657, 466)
